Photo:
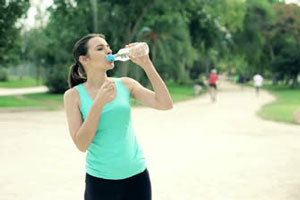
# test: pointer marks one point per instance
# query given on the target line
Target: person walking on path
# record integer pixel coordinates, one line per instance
(99, 119)
(258, 82)
(213, 79)
(242, 81)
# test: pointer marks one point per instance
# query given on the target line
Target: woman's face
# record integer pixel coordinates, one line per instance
(98, 49)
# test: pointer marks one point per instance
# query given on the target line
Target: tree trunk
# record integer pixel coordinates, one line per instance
(271, 52)
(287, 80)
(130, 34)
(38, 74)
(94, 9)
(274, 79)
(295, 81)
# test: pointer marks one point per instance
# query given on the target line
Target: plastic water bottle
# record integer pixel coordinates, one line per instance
(138, 50)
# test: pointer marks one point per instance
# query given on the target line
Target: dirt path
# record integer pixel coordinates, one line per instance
(198, 150)
(17, 91)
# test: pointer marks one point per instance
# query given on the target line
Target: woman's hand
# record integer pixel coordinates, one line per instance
(107, 92)
(142, 61)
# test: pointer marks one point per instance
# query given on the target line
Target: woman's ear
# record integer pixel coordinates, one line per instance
(83, 59)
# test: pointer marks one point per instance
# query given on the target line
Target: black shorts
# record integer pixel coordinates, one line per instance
(137, 187)
(213, 85)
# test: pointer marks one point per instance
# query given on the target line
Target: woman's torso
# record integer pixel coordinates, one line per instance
(114, 152)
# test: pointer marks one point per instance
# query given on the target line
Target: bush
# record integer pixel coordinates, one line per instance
(57, 80)
(3, 75)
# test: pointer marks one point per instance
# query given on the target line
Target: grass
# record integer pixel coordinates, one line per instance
(18, 101)
(288, 101)
(55, 101)
(180, 92)
(16, 82)
(43, 100)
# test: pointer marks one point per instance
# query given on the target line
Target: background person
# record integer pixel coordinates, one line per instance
(213, 79)
(258, 82)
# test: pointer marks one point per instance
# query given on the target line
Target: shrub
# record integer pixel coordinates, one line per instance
(3, 75)
(57, 80)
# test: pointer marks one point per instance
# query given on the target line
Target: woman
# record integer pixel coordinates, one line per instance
(98, 113)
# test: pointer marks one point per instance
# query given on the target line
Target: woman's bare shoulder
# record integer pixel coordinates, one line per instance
(72, 95)
(128, 82)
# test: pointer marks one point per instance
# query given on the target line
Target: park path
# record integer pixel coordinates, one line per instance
(199, 150)
(20, 91)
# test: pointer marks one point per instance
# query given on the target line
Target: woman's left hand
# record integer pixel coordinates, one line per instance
(142, 61)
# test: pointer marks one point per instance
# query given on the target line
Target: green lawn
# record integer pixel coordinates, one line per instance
(180, 92)
(18, 101)
(288, 101)
(55, 101)
(43, 100)
(15, 82)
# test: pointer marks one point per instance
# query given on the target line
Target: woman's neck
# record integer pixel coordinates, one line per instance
(96, 80)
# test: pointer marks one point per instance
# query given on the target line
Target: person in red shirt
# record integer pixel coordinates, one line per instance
(213, 79)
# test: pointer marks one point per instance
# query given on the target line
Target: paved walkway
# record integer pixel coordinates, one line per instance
(198, 150)
(17, 91)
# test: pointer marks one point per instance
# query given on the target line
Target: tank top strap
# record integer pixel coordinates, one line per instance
(81, 90)
(120, 86)
(84, 98)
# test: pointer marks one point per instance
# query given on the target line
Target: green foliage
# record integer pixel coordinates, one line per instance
(287, 63)
(170, 44)
(122, 22)
(67, 24)
(187, 38)
(56, 80)
(235, 64)
(251, 41)
(284, 37)
(229, 13)
(10, 12)
(3, 75)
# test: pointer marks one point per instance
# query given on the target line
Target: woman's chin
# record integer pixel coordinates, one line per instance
(111, 65)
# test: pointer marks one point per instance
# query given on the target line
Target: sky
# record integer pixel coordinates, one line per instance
(43, 4)
(29, 22)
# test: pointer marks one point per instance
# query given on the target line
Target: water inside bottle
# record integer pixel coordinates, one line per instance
(135, 51)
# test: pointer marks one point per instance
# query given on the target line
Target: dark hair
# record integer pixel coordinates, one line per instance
(77, 73)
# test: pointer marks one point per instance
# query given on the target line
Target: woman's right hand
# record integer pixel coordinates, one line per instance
(107, 92)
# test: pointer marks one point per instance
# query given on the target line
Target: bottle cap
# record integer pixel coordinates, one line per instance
(110, 58)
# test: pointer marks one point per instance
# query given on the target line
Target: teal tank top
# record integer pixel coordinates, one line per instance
(114, 152)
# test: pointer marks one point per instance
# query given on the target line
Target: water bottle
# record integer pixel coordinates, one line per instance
(138, 50)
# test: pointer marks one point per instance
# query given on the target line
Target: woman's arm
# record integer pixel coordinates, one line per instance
(160, 98)
(81, 132)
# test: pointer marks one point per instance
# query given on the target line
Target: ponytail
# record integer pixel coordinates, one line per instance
(77, 75)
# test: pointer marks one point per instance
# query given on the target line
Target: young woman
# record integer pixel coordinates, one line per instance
(98, 113)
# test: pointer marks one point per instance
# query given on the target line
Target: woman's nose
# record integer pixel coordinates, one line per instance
(109, 51)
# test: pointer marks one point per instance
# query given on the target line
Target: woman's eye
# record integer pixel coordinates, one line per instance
(100, 49)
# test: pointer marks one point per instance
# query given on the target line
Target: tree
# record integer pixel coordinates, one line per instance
(250, 42)
(10, 12)
(284, 39)
(122, 22)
